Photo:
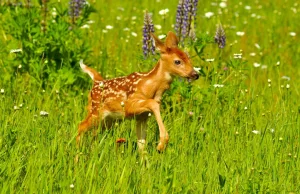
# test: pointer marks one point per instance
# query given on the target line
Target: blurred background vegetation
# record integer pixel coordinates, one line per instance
(235, 130)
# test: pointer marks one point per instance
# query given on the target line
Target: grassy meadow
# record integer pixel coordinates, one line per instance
(234, 130)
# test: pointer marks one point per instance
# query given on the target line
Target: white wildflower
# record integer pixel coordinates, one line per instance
(20, 66)
(256, 132)
(122, 104)
(278, 63)
(133, 17)
(218, 85)
(104, 31)
(163, 11)
(162, 36)
(16, 107)
(237, 55)
(223, 4)
(208, 14)
(247, 7)
(245, 108)
(149, 114)
(126, 29)
(264, 67)
(269, 80)
(85, 26)
(157, 27)
(210, 60)
(109, 27)
(44, 113)
(257, 46)
(240, 33)
(272, 130)
(287, 86)
(256, 64)
(16, 50)
(54, 13)
(72, 186)
(2, 91)
(252, 54)
(134, 34)
(121, 8)
(197, 69)
(292, 33)
(90, 21)
(286, 78)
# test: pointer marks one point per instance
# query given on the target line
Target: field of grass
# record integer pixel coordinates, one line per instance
(239, 136)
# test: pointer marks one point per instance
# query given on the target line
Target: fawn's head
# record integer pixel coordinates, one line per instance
(174, 60)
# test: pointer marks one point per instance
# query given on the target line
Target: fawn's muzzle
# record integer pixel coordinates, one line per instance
(194, 75)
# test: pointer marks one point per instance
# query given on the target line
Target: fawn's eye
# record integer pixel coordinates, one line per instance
(177, 62)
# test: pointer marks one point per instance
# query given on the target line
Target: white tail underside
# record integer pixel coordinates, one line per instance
(84, 69)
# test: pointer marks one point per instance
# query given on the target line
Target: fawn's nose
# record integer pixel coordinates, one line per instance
(194, 75)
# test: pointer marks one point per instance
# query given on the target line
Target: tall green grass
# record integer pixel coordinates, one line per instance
(239, 138)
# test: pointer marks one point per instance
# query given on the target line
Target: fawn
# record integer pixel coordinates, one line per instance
(138, 94)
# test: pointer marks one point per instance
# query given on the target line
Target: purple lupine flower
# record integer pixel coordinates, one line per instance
(75, 8)
(185, 18)
(179, 18)
(194, 11)
(148, 28)
(220, 37)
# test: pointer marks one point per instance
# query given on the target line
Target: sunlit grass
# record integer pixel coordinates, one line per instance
(239, 136)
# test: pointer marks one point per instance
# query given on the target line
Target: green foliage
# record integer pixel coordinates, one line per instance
(51, 45)
(235, 130)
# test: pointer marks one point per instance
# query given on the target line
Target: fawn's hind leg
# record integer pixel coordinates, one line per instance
(141, 131)
(92, 121)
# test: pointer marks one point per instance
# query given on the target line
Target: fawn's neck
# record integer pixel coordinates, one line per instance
(160, 73)
(158, 80)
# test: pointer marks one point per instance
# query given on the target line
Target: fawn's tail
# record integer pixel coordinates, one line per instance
(92, 72)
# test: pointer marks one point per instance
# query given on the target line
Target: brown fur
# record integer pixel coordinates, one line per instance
(137, 94)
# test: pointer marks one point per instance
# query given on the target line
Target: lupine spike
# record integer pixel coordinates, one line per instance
(148, 28)
(185, 18)
(75, 8)
(220, 37)
(194, 11)
(179, 18)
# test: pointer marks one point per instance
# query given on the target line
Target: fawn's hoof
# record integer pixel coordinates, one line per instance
(162, 143)
(162, 146)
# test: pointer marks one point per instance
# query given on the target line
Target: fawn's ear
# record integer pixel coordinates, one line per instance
(171, 40)
(158, 43)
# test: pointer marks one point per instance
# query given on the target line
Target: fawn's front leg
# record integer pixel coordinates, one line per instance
(139, 106)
